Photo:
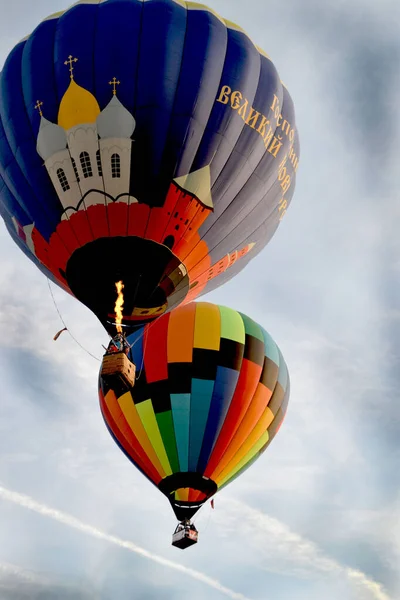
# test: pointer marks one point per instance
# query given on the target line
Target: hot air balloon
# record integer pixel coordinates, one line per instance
(149, 142)
(210, 394)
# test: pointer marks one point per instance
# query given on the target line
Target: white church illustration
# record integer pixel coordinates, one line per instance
(88, 153)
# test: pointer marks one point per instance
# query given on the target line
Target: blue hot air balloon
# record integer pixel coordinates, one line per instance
(148, 142)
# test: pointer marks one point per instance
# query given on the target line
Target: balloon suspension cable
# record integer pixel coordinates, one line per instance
(201, 512)
(66, 328)
(144, 348)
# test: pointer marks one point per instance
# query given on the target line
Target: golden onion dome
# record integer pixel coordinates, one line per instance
(77, 106)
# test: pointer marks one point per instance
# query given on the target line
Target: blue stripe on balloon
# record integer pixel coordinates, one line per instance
(32, 185)
(258, 197)
(116, 50)
(18, 186)
(224, 388)
(38, 77)
(136, 340)
(224, 127)
(250, 147)
(202, 60)
(201, 395)
(75, 35)
(162, 38)
(180, 404)
(10, 207)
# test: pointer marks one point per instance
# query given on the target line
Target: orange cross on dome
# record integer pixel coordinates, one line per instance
(114, 82)
(70, 62)
(38, 107)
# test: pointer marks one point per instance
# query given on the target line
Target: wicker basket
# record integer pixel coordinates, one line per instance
(118, 367)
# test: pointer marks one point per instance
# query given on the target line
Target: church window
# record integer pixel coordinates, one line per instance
(63, 180)
(75, 170)
(85, 164)
(115, 165)
(99, 167)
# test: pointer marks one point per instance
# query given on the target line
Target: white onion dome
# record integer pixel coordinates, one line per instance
(51, 139)
(115, 121)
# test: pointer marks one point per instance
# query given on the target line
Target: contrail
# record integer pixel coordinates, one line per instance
(293, 551)
(61, 517)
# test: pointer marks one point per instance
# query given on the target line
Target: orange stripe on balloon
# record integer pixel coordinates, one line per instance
(192, 495)
(196, 496)
(134, 421)
(182, 494)
(246, 387)
(198, 261)
(161, 216)
(126, 437)
(253, 415)
(130, 450)
(180, 334)
(259, 430)
(199, 255)
(187, 216)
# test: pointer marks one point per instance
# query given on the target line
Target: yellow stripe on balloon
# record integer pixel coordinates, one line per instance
(182, 494)
(135, 423)
(261, 442)
(248, 449)
(207, 327)
(148, 418)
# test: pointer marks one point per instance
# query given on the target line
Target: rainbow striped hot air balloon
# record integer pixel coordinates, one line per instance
(211, 394)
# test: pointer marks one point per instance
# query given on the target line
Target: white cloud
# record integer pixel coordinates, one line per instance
(31, 504)
(280, 550)
(8, 569)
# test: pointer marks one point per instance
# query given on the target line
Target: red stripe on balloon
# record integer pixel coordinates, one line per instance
(115, 419)
(246, 387)
(155, 345)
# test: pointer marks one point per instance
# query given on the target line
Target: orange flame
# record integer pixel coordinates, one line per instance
(119, 304)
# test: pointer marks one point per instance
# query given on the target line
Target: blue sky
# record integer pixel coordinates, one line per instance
(319, 515)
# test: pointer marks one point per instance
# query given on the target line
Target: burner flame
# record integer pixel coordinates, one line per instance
(119, 305)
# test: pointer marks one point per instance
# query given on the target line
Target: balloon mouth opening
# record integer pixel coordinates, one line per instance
(155, 280)
(177, 483)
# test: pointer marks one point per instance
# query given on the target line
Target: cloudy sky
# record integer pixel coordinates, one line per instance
(319, 515)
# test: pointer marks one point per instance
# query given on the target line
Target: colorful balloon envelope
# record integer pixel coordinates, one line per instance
(149, 142)
(212, 390)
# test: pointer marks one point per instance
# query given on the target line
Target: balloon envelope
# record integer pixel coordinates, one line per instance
(149, 142)
(211, 392)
